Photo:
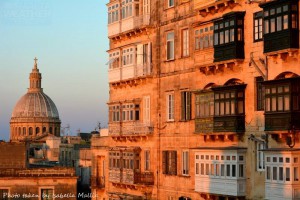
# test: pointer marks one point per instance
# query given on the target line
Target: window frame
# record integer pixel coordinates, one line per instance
(170, 46)
(186, 100)
(185, 163)
(185, 45)
(169, 162)
(260, 156)
(258, 17)
(260, 93)
(204, 37)
(170, 3)
(170, 107)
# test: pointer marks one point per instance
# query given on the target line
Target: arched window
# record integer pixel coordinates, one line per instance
(44, 129)
(30, 131)
(50, 130)
(37, 130)
(24, 131)
(20, 131)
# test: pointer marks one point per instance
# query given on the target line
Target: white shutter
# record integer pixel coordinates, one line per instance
(149, 58)
(147, 110)
(139, 56)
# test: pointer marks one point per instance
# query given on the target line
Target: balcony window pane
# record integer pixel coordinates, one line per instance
(217, 109)
(240, 34)
(226, 36)
(232, 105)
(217, 170)
(272, 11)
(202, 169)
(228, 170)
(279, 23)
(273, 103)
(241, 171)
(287, 174)
(294, 21)
(280, 103)
(268, 173)
(285, 8)
(232, 35)
(272, 26)
(274, 173)
(197, 168)
(216, 39)
(278, 10)
(221, 37)
(280, 174)
(222, 106)
(286, 102)
(268, 103)
(233, 172)
(227, 107)
(222, 170)
(285, 22)
(240, 107)
(207, 169)
(296, 174)
(212, 169)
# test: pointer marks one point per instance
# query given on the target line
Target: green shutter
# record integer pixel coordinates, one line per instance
(173, 163)
(164, 159)
(183, 116)
(188, 105)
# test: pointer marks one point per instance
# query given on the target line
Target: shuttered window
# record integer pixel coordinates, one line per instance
(185, 106)
(169, 162)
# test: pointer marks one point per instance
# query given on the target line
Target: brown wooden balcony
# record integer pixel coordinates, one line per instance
(98, 182)
(130, 130)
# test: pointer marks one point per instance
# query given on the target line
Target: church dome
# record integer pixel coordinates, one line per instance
(36, 104)
(35, 113)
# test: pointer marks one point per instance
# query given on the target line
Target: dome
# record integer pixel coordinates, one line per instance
(36, 104)
(35, 113)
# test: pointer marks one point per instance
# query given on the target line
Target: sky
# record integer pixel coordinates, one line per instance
(69, 38)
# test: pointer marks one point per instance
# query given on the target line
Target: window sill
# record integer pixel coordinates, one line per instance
(170, 121)
(185, 176)
(171, 60)
(168, 8)
(185, 120)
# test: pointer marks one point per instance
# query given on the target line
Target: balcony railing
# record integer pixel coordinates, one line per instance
(127, 24)
(98, 181)
(129, 72)
(130, 129)
(144, 178)
(131, 177)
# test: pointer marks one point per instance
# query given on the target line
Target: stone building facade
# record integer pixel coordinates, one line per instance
(215, 113)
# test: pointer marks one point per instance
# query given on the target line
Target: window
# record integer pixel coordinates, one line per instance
(147, 160)
(258, 28)
(170, 3)
(277, 98)
(130, 112)
(204, 37)
(229, 103)
(114, 113)
(4, 194)
(185, 106)
(225, 31)
(129, 56)
(113, 62)
(260, 157)
(127, 8)
(170, 46)
(147, 110)
(276, 18)
(260, 96)
(185, 163)
(204, 105)
(170, 107)
(143, 59)
(113, 13)
(47, 194)
(185, 42)
(212, 166)
(169, 162)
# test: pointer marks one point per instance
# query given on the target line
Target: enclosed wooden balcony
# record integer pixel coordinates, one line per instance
(229, 123)
(128, 26)
(98, 182)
